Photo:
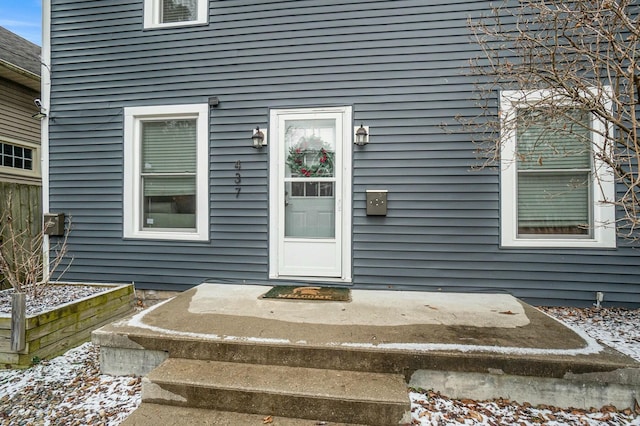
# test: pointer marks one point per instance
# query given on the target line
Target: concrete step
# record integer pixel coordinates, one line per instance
(293, 392)
(167, 415)
(126, 351)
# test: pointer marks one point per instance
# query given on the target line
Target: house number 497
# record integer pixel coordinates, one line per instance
(238, 179)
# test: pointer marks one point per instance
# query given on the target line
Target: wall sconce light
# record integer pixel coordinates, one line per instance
(259, 138)
(361, 135)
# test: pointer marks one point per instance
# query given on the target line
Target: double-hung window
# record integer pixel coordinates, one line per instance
(554, 192)
(165, 190)
(171, 13)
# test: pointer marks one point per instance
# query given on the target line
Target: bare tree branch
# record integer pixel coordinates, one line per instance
(582, 53)
(21, 253)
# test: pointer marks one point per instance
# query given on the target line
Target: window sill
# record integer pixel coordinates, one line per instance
(167, 236)
(559, 243)
(182, 24)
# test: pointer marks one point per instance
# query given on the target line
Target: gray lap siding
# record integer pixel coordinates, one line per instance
(401, 66)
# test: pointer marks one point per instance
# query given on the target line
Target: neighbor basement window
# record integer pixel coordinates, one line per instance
(171, 13)
(16, 156)
(165, 191)
(553, 192)
(19, 158)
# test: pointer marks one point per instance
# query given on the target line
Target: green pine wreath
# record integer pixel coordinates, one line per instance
(305, 160)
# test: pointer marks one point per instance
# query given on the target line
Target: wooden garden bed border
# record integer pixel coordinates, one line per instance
(52, 332)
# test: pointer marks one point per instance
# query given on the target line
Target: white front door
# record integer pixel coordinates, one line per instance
(310, 193)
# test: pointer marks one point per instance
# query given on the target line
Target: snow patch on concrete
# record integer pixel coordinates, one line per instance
(591, 345)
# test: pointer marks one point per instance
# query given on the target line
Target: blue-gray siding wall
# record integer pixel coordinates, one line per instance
(400, 64)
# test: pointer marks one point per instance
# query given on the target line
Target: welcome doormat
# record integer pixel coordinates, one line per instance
(334, 294)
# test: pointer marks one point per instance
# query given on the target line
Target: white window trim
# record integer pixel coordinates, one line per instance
(152, 15)
(132, 191)
(604, 232)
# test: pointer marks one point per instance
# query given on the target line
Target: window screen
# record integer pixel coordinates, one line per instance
(179, 10)
(554, 173)
(169, 173)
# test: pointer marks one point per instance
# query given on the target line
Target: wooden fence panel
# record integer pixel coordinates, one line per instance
(26, 209)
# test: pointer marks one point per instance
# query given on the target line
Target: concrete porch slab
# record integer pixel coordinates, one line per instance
(374, 320)
(416, 334)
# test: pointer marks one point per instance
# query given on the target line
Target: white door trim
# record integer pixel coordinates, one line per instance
(276, 165)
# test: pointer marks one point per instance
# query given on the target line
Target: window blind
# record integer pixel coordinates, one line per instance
(169, 186)
(168, 147)
(553, 143)
(553, 199)
(179, 10)
(554, 172)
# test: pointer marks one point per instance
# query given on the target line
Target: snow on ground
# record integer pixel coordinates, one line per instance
(49, 296)
(434, 409)
(69, 390)
(615, 327)
(618, 328)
